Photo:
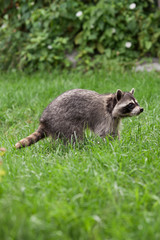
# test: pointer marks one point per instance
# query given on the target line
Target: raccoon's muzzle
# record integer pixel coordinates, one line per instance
(31, 139)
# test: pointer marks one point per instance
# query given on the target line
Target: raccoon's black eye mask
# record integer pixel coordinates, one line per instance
(128, 108)
(131, 106)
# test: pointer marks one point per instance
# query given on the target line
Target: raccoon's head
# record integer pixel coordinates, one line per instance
(127, 105)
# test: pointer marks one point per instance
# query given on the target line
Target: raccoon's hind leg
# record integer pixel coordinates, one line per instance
(71, 134)
(33, 138)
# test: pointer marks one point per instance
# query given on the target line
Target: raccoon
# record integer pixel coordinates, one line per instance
(70, 113)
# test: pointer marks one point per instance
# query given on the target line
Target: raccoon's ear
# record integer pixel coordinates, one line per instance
(132, 91)
(119, 94)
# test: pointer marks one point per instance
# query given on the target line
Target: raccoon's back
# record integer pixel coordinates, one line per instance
(74, 105)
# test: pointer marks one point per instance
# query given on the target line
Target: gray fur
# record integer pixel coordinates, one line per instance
(70, 113)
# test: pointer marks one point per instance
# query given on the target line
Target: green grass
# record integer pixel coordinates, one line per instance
(95, 190)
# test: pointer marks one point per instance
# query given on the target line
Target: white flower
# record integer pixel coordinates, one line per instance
(97, 218)
(23, 189)
(79, 13)
(3, 26)
(128, 44)
(113, 30)
(49, 47)
(132, 6)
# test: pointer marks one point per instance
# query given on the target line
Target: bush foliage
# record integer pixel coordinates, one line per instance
(39, 34)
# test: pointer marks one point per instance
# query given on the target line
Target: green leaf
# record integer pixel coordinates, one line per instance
(148, 45)
(108, 53)
(100, 48)
(78, 38)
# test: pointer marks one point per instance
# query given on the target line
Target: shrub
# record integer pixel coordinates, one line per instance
(38, 34)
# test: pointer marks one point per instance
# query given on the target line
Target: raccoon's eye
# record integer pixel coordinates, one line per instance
(130, 105)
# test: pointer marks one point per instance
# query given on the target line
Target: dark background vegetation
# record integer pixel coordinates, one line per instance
(41, 34)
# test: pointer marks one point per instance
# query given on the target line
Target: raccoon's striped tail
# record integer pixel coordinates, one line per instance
(31, 139)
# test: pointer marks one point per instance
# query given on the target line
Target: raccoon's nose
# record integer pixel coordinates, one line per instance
(141, 109)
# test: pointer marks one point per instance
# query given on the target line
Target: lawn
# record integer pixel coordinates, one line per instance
(94, 190)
